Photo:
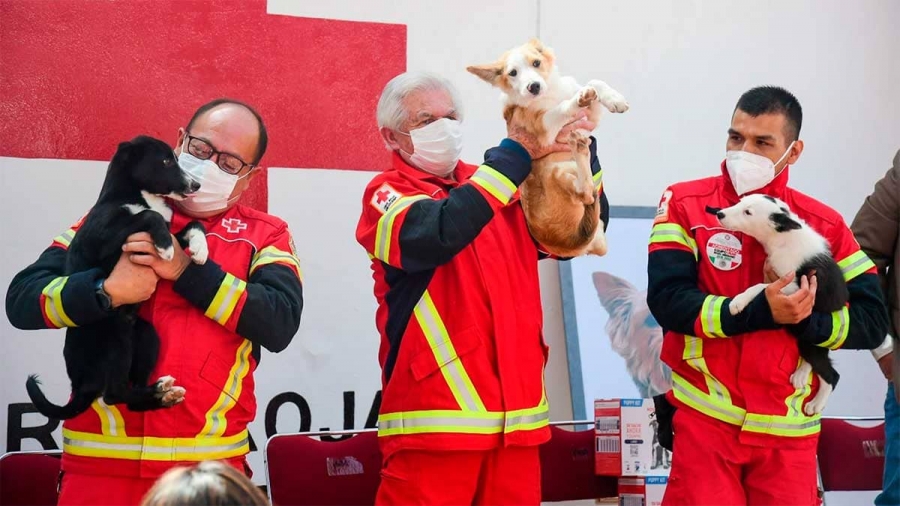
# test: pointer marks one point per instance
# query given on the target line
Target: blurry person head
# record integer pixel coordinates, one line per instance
(209, 483)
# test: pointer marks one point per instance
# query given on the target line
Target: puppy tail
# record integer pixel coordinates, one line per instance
(79, 403)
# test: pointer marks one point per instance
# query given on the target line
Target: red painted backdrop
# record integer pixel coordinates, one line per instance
(78, 77)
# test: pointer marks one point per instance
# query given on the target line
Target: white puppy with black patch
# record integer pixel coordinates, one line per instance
(792, 246)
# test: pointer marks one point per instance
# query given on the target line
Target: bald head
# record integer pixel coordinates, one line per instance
(236, 120)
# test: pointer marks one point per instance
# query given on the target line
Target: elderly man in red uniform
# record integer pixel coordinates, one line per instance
(742, 435)
(459, 307)
(212, 319)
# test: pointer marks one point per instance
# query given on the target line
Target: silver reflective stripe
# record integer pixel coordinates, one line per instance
(385, 223)
(53, 286)
(496, 183)
(166, 450)
(787, 426)
(706, 404)
(448, 422)
(216, 416)
(855, 265)
(450, 362)
(842, 317)
(514, 421)
(226, 301)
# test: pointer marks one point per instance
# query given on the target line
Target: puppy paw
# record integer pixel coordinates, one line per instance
(198, 246)
(614, 101)
(736, 305)
(587, 95)
(166, 253)
(579, 142)
(173, 397)
(815, 407)
(798, 379)
(163, 385)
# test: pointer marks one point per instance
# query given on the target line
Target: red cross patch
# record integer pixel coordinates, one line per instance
(384, 197)
(233, 225)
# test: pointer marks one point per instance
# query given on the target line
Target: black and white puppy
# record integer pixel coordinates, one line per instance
(792, 246)
(114, 357)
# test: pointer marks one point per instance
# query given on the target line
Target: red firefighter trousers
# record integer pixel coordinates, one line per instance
(510, 475)
(711, 467)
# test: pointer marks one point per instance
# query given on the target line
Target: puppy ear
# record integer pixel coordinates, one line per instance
(783, 222)
(488, 73)
(537, 45)
(123, 155)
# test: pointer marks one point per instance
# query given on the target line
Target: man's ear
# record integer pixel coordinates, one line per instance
(488, 73)
(794, 155)
(390, 138)
(181, 134)
(783, 222)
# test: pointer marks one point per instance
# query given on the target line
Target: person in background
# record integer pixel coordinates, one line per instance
(876, 227)
(209, 483)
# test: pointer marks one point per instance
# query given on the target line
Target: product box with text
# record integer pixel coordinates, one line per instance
(626, 442)
(646, 491)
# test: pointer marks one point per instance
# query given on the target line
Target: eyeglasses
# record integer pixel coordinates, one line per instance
(226, 161)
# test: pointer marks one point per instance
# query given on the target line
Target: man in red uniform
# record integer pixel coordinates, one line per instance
(212, 319)
(741, 433)
(459, 308)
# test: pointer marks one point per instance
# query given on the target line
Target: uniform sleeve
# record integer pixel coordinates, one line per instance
(597, 175)
(264, 309)
(863, 322)
(42, 297)
(415, 232)
(673, 293)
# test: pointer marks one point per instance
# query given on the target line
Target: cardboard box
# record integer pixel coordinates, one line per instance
(645, 491)
(626, 443)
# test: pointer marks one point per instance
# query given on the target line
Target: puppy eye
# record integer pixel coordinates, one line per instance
(536, 63)
(748, 212)
(512, 73)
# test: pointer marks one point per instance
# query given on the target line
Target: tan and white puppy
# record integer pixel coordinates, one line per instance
(559, 197)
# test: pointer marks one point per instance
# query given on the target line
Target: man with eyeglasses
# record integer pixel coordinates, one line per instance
(212, 319)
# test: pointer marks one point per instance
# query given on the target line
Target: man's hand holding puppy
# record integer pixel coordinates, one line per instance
(129, 282)
(794, 308)
(142, 251)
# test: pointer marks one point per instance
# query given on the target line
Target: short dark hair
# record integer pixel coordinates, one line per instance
(263, 141)
(774, 100)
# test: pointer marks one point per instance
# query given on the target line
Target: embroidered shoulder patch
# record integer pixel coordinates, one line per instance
(662, 212)
(384, 197)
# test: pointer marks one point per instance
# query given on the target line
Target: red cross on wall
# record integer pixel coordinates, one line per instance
(77, 78)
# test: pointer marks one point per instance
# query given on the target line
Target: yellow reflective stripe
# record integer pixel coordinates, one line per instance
(782, 425)
(226, 299)
(598, 181)
(216, 422)
(693, 356)
(445, 354)
(53, 308)
(463, 422)
(795, 401)
(385, 228)
(111, 421)
(65, 238)
(672, 232)
(495, 183)
(704, 403)
(840, 328)
(270, 255)
(711, 316)
(155, 448)
(855, 264)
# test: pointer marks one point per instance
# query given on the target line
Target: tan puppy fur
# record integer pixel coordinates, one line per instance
(559, 198)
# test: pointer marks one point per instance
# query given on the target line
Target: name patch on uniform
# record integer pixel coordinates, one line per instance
(384, 197)
(662, 212)
(724, 251)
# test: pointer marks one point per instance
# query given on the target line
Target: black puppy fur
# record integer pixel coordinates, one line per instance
(831, 295)
(103, 357)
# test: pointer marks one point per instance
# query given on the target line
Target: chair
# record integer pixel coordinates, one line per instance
(301, 470)
(29, 478)
(567, 467)
(850, 457)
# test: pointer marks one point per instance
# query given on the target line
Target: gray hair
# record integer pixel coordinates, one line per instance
(391, 113)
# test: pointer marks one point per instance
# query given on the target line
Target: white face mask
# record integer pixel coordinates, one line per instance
(749, 171)
(216, 185)
(436, 146)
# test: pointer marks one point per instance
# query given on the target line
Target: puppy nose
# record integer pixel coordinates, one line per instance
(194, 186)
(720, 215)
(534, 88)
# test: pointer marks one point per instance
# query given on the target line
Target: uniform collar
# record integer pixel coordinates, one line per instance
(774, 189)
